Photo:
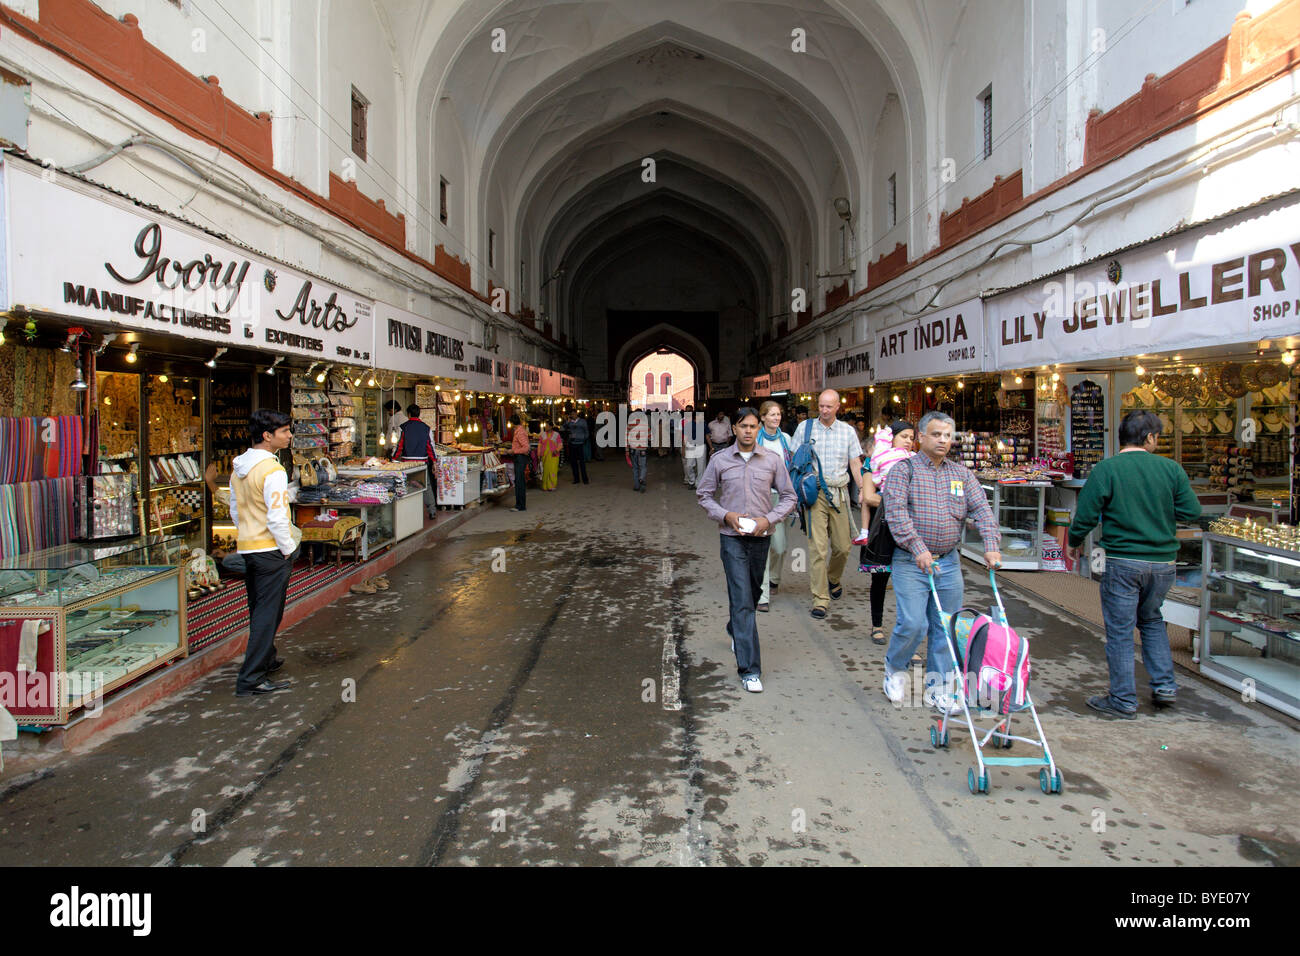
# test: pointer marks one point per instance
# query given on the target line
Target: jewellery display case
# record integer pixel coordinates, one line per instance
(1019, 510)
(1249, 636)
(77, 622)
(408, 509)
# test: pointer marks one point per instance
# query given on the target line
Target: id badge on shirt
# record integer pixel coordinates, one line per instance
(957, 488)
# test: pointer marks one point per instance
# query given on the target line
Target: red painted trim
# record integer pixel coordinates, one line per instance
(887, 266)
(116, 52)
(837, 296)
(376, 219)
(1256, 51)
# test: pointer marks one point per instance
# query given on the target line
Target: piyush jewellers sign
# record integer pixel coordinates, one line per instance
(81, 252)
(1236, 280)
(946, 342)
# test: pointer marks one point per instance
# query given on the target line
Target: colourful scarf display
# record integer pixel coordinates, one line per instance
(35, 515)
(25, 455)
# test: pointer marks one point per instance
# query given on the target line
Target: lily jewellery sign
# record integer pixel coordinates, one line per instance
(1235, 280)
(78, 251)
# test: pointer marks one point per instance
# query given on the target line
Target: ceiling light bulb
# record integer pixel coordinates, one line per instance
(1196, 370)
(1019, 380)
(1056, 376)
(131, 354)
(371, 383)
(382, 443)
(1140, 371)
(928, 390)
(896, 398)
(163, 378)
(872, 390)
(1288, 358)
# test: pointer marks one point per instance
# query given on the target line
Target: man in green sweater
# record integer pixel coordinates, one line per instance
(1138, 496)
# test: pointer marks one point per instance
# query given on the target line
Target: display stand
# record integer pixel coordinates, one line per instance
(1019, 510)
(408, 510)
(1249, 636)
(459, 479)
(77, 622)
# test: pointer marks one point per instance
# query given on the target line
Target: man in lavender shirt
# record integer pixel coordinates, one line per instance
(736, 491)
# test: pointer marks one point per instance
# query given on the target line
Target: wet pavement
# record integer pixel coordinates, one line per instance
(555, 687)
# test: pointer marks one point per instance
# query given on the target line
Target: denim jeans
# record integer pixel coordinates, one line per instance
(743, 561)
(918, 617)
(1131, 594)
(638, 456)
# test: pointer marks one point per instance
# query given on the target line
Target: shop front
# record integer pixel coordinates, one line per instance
(937, 362)
(1199, 328)
(135, 348)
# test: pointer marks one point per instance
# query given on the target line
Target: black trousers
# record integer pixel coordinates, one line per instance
(266, 579)
(578, 461)
(521, 481)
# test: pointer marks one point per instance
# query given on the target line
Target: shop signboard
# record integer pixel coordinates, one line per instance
(935, 345)
(780, 377)
(568, 384)
(850, 367)
(604, 392)
(527, 379)
(79, 251)
(757, 386)
(1232, 281)
(501, 380)
(479, 370)
(556, 383)
(807, 375)
(406, 342)
(722, 390)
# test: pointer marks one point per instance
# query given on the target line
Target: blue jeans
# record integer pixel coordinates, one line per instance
(638, 466)
(918, 617)
(744, 559)
(1131, 594)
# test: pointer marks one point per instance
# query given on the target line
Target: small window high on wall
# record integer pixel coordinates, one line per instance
(492, 249)
(359, 107)
(984, 108)
(442, 200)
(891, 199)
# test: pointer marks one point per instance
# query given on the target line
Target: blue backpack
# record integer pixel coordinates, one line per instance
(806, 473)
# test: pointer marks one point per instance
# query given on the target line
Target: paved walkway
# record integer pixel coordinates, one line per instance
(511, 701)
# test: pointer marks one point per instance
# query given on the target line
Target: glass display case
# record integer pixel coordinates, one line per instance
(408, 510)
(78, 621)
(1249, 636)
(1019, 510)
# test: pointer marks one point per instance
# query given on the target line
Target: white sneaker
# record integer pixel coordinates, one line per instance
(896, 686)
(752, 684)
(944, 703)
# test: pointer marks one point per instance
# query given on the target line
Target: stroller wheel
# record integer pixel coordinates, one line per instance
(978, 784)
(1050, 783)
(1005, 742)
(937, 739)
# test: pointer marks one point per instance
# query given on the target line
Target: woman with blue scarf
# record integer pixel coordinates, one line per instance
(772, 438)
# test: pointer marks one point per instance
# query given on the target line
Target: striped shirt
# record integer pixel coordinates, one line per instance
(927, 505)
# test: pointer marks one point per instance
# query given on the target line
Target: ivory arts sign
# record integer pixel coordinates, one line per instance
(779, 377)
(806, 375)
(946, 342)
(78, 251)
(1236, 280)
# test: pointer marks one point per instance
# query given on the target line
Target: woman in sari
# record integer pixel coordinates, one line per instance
(549, 447)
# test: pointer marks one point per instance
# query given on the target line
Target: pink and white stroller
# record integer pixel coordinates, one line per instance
(993, 677)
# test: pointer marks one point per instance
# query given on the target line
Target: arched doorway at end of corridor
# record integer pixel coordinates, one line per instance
(663, 379)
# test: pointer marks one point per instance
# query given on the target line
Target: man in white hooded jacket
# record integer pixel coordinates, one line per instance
(267, 540)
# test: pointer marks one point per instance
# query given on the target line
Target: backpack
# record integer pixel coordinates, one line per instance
(995, 663)
(806, 474)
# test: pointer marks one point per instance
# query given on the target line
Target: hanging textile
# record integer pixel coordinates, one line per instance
(26, 456)
(35, 515)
